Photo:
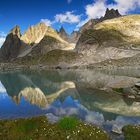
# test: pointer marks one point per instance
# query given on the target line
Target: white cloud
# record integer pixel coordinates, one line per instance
(97, 8)
(47, 22)
(68, 17)
(2, 38)
(69, 1)
(125, 6)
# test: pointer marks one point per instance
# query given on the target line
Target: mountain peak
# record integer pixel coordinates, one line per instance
(62, 30)
(16, 31)
(109, 14)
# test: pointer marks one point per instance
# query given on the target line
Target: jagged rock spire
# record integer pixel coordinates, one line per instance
(109, 14)
(16, 31)
(62, 31)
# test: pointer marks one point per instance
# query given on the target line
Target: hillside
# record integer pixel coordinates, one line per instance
(111, 39)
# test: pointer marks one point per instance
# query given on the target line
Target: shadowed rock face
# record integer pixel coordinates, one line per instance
(111, 14)
(63, 33)
(12, 44)
(11, 47)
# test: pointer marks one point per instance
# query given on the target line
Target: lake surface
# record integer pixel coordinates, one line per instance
(81, 93)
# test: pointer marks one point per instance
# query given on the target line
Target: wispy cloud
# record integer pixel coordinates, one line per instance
(67, 17)
(47, 22)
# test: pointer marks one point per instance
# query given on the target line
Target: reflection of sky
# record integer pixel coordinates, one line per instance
(9, 109)
(2, 88)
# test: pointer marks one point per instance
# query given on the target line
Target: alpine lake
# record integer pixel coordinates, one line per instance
(96, 97)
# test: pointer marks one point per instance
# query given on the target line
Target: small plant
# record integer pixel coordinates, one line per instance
(120, 90)
(68, 123)
(132, 132)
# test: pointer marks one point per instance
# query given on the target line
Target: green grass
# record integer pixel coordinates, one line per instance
(38, 128)
(132, 132)
(68, 123)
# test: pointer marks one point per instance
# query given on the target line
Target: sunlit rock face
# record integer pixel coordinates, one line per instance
(35, 33)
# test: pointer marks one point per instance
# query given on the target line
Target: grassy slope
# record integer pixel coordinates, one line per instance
(39, 128)
(132, 132)
(123, 29)
(51, 58)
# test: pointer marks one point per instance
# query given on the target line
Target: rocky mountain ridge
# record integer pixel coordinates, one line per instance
(111, 37)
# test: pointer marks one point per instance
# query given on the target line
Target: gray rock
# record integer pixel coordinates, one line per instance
(129, 90)
(117, 129)
(52, 118)
(137, 85)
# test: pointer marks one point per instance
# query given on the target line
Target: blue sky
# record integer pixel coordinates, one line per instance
(69, 13)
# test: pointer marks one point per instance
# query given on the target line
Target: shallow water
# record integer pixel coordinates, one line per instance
(79, 92)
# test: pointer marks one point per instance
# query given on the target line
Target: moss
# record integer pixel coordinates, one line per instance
(132, 132)
(68, 123)
(120, 90)
(38, 128)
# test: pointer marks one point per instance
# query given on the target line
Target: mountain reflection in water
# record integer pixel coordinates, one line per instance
(60, 93)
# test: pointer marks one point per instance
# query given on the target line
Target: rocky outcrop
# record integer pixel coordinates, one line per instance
(63, 33)
(12, 44)
(111, 39)
(46, 45)
(74, 36)
(89, 25)
(16, 31)
(35, 33)
(110, 14)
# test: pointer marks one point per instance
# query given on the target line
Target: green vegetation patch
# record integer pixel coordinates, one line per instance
(51, 58)
(38, 128)
(120, 90)
(68, 123)
(132, 132)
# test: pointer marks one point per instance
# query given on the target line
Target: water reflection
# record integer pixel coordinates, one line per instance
(81, 93)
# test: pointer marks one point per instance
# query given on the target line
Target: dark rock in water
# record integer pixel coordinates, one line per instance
(129, 90)
(132, 92)
(58, 67)
(137, 85)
